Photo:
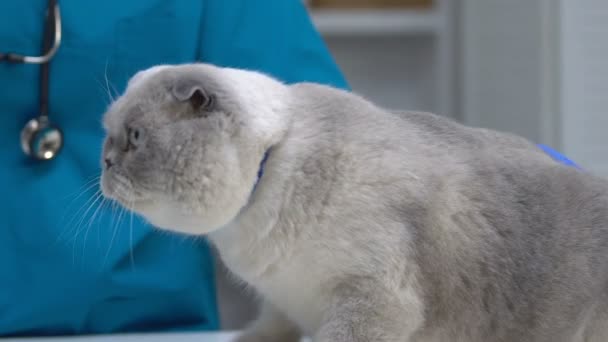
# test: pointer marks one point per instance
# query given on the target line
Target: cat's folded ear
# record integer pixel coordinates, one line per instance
(191, 90)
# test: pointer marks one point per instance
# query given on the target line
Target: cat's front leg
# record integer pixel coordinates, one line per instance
(270, 326)
(363, 310)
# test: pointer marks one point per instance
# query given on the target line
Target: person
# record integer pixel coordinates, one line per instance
(71, 263)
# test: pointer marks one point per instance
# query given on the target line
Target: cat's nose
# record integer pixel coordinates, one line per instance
(108, 163)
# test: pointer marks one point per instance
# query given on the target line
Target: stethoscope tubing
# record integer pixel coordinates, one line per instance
(49, 54)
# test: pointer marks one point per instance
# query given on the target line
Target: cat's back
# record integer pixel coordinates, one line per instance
(505, 236)
(353, 120)
(526, 236)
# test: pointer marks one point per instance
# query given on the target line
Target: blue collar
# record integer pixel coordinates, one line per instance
(261, 170)
(558, 156)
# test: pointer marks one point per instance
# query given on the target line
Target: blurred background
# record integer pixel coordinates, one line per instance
(538, 68)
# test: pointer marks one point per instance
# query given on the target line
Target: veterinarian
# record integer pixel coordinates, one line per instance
(68, 264)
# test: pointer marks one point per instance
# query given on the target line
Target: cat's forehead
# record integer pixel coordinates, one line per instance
(140, 79)
(128, 104)
(114, 117)
(128, 107)
(149, 87)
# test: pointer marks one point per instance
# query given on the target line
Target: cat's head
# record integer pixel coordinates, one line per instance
(184, 143)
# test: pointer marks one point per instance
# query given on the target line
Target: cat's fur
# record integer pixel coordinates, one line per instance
(366, 225)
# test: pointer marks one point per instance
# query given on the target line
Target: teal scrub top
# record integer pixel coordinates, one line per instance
(69, 265)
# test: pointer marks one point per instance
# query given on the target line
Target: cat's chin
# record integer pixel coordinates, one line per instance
(171, 220)
(180, 227)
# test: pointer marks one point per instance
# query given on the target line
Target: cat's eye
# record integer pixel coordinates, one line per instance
(134, 136)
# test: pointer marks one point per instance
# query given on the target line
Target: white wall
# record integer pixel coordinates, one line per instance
(584, 66)
(539, 68)
(398, 58)
(394, 71)
(504, 72)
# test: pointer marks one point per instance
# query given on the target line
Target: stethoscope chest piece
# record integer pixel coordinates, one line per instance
(40, 139)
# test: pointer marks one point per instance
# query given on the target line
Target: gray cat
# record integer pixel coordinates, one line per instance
(365, 225)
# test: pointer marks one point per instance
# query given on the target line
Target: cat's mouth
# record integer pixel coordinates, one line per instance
(119, 188)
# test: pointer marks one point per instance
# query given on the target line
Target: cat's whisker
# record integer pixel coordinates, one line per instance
(116, 93)
(108, 83)
(118, 223)
(94, 216)
(113, 212)
(105, 76)
(114, 231)
(94, 199)
(99, 207)
(84, 244)
(132, 258)
(79, 224)
(70, 227)
(85, 227)
(88, 184)
(102, 205)
(103, 91)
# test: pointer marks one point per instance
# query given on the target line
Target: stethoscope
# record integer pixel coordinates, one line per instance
(41, 139)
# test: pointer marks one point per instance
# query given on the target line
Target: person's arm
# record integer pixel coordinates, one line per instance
(276, 37)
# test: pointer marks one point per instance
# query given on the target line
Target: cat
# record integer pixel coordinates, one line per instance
(356, 223)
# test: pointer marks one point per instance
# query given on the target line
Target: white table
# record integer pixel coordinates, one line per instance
(181, 337)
